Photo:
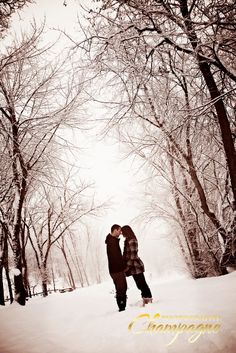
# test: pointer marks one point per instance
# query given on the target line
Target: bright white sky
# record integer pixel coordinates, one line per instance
(115, 179)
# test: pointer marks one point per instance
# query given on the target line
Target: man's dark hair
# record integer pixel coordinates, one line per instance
(115, 226)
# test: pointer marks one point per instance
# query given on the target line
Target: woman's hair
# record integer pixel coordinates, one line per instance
(128, 232)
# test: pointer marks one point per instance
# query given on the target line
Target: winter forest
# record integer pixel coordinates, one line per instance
(116, 112)
(163, 73)
(156, 77)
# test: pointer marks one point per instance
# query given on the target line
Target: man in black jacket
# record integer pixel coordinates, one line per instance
(116, 265)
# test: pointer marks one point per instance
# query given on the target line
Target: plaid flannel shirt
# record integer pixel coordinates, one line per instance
(131, 258)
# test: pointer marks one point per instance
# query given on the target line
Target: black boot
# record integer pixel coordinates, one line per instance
(121, 301)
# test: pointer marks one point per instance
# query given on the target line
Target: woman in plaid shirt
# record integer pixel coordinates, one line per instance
(134, 265)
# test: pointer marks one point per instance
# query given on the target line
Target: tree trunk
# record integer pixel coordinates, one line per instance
(229, 256)
(70, 280)
(221, 113)
(25, 275)
(223, 121)
(44, 288)
(53, 280)
(44, 279)
(69, 268)
(2, 246)
(20, 293)
(76, 263)
(187, 256)
(9, 285)
(7, 271)
(24, 262)
(20, 175)
(2, 299)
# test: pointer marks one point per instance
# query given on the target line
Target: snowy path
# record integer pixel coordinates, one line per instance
(87, 320)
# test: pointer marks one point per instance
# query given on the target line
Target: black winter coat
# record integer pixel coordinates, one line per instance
(114, 255)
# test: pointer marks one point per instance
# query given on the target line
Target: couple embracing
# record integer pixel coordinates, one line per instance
(128, 264)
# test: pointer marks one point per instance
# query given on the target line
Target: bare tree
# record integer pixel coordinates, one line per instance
(52, 218)
(39, 95)
(7, 9)
(172, 64)
(62, 247)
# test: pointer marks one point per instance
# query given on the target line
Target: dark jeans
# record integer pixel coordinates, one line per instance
(119, 280)
(142, 285)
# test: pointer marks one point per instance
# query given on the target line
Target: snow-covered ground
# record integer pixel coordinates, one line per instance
(87, 321)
